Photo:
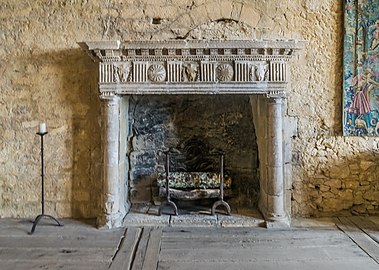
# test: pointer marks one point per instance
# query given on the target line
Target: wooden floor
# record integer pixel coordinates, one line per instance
(338, 243)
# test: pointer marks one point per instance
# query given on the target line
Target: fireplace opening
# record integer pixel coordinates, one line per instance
(192, 124)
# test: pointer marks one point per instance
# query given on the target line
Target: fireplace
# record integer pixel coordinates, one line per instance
(257, 70)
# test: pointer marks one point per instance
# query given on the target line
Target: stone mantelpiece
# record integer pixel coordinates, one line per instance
(255, 68)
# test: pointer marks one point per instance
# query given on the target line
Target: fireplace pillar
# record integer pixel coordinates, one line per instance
(114, 178)
(275, 208)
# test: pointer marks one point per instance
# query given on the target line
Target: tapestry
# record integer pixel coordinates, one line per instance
(361, 68)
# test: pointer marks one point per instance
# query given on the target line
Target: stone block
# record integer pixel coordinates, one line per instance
(334, 205)
(200, 15)
(275, 186)
(147, 141)
(193, 220)
(166, 12)
(350, 184)
(354, 168)
(236, 11)
(185, 21)
(249, 15)
(239, 221)
(358, 198)
(275, 205)
(340, 172)
(226, 8)
(63, 209)
(371, 195)
(131, 13)
(334, 183)
(214, 11)
(366, 165)
(346, 195)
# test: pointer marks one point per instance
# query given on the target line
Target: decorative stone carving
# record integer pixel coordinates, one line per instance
(121, 72)
(194, 67)
(156, 73)
(252, 75)
(140, 71)
(197, 61)
(278, 71)
(224, 72)
(261, 72)
(174, 71)
(190, 72)
(208, 71)
(242, 71)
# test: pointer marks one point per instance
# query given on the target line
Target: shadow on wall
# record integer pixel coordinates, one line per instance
(68, 95)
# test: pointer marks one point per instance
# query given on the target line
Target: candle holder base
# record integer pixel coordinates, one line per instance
(39, 217)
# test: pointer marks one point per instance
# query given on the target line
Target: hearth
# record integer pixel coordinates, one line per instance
(255, 69)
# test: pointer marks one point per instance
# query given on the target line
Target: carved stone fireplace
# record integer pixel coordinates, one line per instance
(258, 69)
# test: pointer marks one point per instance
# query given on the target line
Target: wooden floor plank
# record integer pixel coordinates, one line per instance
(366, 225)
(257, 233)
(56, 254)
(271, 253)
(125, 255)
(364, 241)
(345, 264)
(153, 249)
(59, 241)
(315, 248)
(53, 265)
(250, 243)
(22, 227)
(141, 249)
(81, 246)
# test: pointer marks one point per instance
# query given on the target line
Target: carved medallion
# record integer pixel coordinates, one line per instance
(224, 72)
(156, 73)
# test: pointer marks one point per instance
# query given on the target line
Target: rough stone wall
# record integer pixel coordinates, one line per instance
(45, 76)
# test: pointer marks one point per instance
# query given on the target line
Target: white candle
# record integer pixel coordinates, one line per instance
(42, 127)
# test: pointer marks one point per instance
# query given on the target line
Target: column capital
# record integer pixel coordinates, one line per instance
(109, 96)
(276, 96)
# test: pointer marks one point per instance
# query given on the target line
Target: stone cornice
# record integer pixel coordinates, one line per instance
(192, 66)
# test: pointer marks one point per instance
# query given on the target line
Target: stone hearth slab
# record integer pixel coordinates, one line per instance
(137, 219)
(193, 221)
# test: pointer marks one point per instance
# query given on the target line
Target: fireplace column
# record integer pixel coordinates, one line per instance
(275, 211)
(114, 146)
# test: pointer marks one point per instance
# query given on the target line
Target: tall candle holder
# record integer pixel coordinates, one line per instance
(42, 133)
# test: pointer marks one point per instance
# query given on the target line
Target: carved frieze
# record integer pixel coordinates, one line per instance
(192, 71)
(243, 66)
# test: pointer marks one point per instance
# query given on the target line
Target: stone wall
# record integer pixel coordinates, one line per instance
(45, 76)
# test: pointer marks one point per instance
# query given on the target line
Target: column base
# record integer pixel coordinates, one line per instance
(277, 222)
(271, 220)
(110, 221)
